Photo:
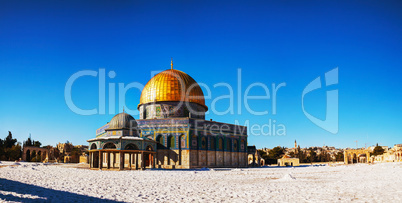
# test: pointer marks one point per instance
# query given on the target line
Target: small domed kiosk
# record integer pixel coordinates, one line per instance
(118, 146)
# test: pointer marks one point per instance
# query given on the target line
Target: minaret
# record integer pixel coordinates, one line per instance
(295, 144)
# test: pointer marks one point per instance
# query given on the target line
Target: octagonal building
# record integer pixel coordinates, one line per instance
(172, 114)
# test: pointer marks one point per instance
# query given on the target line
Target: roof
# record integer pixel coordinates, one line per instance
(172, 85)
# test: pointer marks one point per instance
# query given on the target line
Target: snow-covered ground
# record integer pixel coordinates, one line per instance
(361, 183)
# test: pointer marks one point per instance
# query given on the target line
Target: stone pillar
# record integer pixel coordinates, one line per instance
(108, 160)
(114, 160)
(90, 159)
(142, 161)
(153, 160)
(121, 167)
(345, 157)
(100, 159)
(129, 160)
(136, 161)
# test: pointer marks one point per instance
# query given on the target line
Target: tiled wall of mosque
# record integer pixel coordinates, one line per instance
(162, 110)
(197, 148)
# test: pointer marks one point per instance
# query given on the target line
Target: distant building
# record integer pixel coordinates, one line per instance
(65, 148)
(392, 155)
(286, 160)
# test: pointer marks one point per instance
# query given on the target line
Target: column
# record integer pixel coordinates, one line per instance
(142, 161)
(136, 161)
(114, 159)
(121, 160)
(345, 157)
(129, 160)
(90, 160)
(153, 160)
(108, 160)
(100, 159)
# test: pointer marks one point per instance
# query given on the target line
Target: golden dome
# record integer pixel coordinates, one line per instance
(172, 85)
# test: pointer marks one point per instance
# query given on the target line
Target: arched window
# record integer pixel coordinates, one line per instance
(149, 148)
(220, 144)
(159, 139)
(171, 142)
(131, 146)
(182, 141)
(203, 143)
(93, 146)
(194, 141)
(235, 145)
(228, 144)
(28, 155)
(212, 142)
(109, 146)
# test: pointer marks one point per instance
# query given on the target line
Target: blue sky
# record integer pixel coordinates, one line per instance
(43, 43)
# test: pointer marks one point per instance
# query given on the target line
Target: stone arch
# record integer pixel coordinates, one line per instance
(203, 143)
(159, 139)
(109, 145)
(171, 142)
(213, 144)
(194, 142)
(131, 146)
(182, 139)
(354, 158)
(149, 148)
(229, 144)
(33, 154)
(220, 143)
(242, 145)
(235, 145)
(28, 155)
(45, 155)
(93, 146)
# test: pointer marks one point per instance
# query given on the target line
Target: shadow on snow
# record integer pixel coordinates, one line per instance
(45, 194)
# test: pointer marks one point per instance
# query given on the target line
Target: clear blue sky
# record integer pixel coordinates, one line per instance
(43, 43)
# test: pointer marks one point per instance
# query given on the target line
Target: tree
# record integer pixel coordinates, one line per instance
(9, 141)
(274, 154)
(340, 156)
(2, 152)
(8, 150)
(312, 157)
(28, 142)
(15, 152)
(378, 151)
(37, 144)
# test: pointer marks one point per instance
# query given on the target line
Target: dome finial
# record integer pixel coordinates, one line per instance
(171, 62)
(123, 109)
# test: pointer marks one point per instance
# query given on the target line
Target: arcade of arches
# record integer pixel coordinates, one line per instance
(357, 156)
(30, 152)
(131, 157)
